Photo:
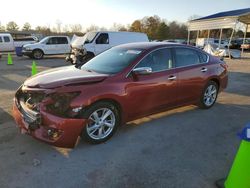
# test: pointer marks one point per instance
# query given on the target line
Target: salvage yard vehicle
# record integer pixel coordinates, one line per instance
(8, 44)
(51, 45)
(246, 45)
(122, 84)
(20, 41)
(93, 43)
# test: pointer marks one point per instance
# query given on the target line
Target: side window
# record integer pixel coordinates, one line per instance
(1, 40)
(203, 57)
(158, 60)
(185, 57)
(62, 40)
(103, 38)
(52, 40)
(6, 39)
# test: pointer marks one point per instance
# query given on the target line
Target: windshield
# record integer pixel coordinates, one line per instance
(89, 37)
(44, 40)
(112, 61)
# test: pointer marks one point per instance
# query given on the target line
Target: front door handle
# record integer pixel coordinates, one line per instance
(172, 77)
(204, 69)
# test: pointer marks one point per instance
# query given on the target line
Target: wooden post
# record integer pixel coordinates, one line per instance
(208, 35)
(230, 42)
(245, 34)
(188, 37)
(220, 37)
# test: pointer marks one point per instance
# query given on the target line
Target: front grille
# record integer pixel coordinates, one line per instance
(29, 105)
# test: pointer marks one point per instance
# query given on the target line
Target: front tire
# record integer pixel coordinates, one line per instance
(88, 56)
(103, 120)
(209, 95)
(37, 54)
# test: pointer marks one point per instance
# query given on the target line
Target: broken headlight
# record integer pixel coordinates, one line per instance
(61, 103)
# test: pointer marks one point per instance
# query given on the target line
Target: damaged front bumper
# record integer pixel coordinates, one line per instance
(44, 126)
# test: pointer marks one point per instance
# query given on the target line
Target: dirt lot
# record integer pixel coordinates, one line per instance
(186, 147)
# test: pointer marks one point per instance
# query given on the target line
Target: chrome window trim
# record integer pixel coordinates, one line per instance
(146, 56)
(171, 47)
(208, 58)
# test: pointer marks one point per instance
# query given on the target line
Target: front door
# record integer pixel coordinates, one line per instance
(153, 92)
(102, 43)
(51, 46)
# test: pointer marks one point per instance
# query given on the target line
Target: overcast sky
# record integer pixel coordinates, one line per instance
(106, 12)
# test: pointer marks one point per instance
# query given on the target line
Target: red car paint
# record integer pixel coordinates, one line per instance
(136, 96)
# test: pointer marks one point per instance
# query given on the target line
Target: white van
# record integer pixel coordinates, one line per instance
(97, 42)
(6, 42)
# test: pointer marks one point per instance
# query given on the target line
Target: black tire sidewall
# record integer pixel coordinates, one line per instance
(93, 108)
(202, 104)
(36, 51)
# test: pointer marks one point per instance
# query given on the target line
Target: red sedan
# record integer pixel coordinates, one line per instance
(121, 84)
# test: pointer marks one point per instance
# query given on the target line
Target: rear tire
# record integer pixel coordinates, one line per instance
(103, 120)
(209, 95)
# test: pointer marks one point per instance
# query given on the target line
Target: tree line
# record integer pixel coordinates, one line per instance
(155, 27)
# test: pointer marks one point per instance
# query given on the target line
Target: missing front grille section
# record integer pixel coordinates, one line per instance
(31, 100)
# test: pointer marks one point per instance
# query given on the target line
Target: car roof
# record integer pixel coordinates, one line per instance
(149, 45)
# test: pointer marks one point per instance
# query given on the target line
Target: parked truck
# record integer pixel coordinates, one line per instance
(51, 45)
(8, 44)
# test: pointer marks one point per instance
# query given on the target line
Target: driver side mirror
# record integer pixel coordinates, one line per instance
(142, 71)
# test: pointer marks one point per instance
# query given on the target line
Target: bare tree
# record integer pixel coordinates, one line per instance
(26, 27)
(66, 29)
(92, 28)
(118, 27)
(193, 17)
(2, 28)
(43, 30)
(76, 28)
(12, 26)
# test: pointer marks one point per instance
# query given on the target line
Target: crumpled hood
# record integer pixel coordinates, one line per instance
(62, 76)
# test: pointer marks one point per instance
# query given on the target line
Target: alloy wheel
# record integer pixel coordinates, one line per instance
(101, 123)
(210, 95)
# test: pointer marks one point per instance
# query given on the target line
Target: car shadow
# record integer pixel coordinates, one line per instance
(5, 116)
(185, 116)
(239, 83)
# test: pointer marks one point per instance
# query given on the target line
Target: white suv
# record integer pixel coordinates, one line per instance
(51, 45)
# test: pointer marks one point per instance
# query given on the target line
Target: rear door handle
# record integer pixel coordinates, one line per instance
(172, 77)
(204, 69)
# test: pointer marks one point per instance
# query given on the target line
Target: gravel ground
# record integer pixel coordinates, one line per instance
(186, 147)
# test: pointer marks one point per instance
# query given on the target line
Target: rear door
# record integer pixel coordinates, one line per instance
(102, 43)
(155, 91)
(1, 44)
(192, 73)
(62, 45)
(6, 43)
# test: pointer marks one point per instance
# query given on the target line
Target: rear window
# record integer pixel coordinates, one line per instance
(1, 40)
